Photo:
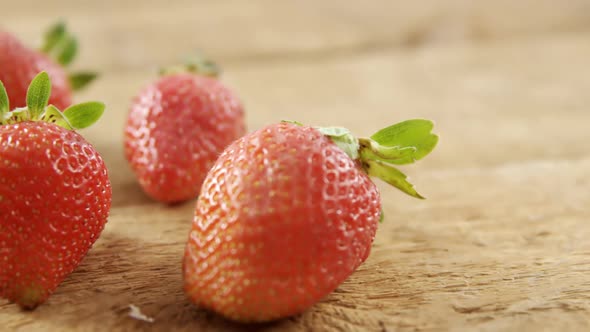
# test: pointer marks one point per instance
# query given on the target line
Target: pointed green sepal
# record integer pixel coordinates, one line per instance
(53, 115)
(60, 44)
(74, 117)
(391, 175)
(80, 80)
(63, 46)
(68, 50)
(4, 102)
(54, 35)
(413, 137)
(38, 94)
(84, 115)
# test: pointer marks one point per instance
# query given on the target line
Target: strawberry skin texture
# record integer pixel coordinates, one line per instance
(176, 129)
(20, 64)
(55, 196)
(284, 217)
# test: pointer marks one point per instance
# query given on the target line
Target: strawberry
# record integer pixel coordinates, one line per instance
(288, 212)
(55, 193)
(177, 127)
(20, 64)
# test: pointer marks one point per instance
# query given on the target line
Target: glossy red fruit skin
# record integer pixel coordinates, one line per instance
(284, 217)
(55, 197)
(176, 129)
(20, 64)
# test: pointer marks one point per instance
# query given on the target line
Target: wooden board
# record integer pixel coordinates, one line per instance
(502, 243)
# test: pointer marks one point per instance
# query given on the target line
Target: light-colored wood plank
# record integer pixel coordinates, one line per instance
(512, 256)
(502, 102)
(135, 34)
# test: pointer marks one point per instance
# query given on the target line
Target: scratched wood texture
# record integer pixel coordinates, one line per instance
(501, 244)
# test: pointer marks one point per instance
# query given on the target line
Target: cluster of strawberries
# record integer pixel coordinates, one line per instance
(284, 214)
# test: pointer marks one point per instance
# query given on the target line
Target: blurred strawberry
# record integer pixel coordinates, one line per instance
(288, 212)
(177, 127)
(20, 64)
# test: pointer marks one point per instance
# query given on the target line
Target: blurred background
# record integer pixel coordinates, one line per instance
(507, 83)
(509, 67)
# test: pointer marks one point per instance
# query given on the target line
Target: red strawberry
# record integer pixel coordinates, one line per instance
(55, 194)
(288, 212)
(20, 64)
(176, 128)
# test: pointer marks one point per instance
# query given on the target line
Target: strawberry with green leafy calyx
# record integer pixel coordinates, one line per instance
(55, 194)
(288, 212)
(176, 128)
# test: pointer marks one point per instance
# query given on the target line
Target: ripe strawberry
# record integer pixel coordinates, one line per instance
(20, 64)
(176, 128)
(288, 212)
(55, 193)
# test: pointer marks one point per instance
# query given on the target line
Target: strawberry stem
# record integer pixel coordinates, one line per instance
(402, 143)
(197, 64)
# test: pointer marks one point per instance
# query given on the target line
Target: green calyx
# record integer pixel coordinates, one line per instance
(74, 117)
(197, 64)
(63, 47)
(399, 144)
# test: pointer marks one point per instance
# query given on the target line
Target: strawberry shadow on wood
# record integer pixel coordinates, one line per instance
(121, 271)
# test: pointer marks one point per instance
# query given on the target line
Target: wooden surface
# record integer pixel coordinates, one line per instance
(501, 244)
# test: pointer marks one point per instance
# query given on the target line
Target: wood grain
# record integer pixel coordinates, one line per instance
(500, 245)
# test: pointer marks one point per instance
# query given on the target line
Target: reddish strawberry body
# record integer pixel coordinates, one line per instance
(55, 196)
(176, 129)
(20, 64)
(283, 218)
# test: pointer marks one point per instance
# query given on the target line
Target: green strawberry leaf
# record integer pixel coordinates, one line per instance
(414, 134)
(4, 103)
(38, 94)
(53, 115)
(391, 175)
(68, 51)
(54, 36)
(80, 80)
(84, 115)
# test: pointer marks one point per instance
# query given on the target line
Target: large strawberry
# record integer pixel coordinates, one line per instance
(288, 212)
(19, 65)
(55, 193)
(177, 127)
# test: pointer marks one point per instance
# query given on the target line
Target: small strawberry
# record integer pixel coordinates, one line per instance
(55, 193)
(20, 64)
(288, 212)
(176, 129)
